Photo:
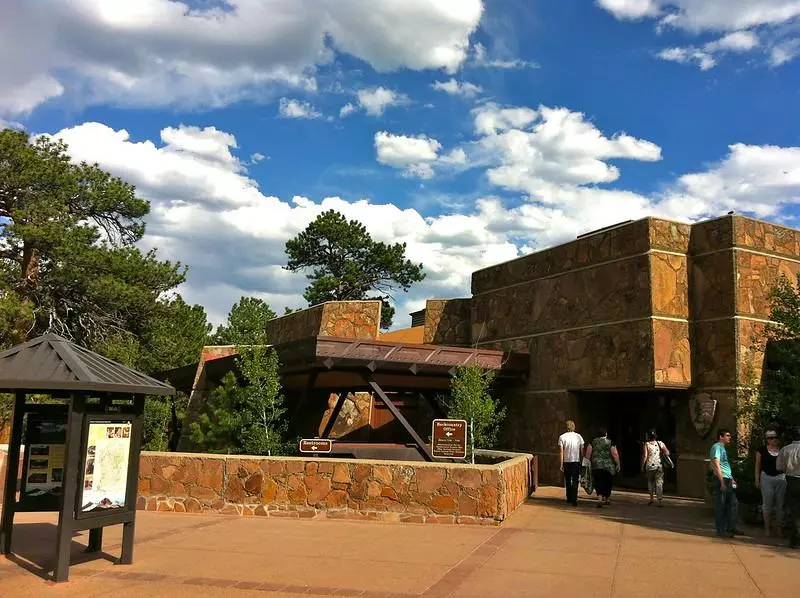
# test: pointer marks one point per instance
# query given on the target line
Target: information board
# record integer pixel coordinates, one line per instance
(105, 472)
(449, 439)
(45, 438)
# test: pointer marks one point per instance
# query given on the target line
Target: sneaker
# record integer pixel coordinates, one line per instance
(650, 502)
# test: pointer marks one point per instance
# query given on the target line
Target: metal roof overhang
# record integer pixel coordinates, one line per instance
(50, 364)
(336, 362)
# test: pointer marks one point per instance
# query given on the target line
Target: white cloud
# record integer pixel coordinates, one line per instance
(785, 51)
(346, 110)
(412, 154)
(291, 108)
(458, 88)
(689, 55)
(375, 100)
(707, 15)
(738, 19)
(25, 97)
(257, 157)
(706, 57)
(555, 147)
(418, 157)
(165, 52)
(205, 208)
(631, 9)
(738, 41)
(751, 178)
(480, 58)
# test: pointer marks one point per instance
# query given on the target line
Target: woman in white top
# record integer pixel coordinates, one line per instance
(653, 465)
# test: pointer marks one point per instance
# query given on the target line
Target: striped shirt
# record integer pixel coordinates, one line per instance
(789, 459)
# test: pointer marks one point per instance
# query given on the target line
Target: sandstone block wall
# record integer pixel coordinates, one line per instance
(333, 488)
(346, 319)
(649, 304)
(447, 322)
(610, 310)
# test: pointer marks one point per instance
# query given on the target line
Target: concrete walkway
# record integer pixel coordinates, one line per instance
(546, 548)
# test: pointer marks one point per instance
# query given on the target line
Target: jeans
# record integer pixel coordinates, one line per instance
(726, 508)
(773, 492)
(571, 478)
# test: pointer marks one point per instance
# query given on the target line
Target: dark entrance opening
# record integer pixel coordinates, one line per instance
(628, 415)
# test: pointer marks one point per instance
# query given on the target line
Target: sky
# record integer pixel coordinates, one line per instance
(473, 131)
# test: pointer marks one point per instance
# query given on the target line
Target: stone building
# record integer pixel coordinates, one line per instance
(644, 324)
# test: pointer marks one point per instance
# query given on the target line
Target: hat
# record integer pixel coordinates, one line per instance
(771, 434)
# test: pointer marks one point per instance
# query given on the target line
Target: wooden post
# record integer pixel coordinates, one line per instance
(398, 416)
(12, 472)
(337, 409)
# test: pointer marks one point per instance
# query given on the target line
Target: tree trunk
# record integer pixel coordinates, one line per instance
(29, 276)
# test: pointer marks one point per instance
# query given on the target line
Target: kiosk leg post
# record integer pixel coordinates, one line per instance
(95, 540)
(126, 558)
(66, 515)
(12, 472)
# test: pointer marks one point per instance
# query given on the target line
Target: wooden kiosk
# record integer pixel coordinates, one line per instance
(81, 446)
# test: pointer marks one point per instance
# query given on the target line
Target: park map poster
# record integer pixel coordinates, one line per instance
(105, 474)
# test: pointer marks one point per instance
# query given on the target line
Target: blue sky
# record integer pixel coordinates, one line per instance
(477, 131)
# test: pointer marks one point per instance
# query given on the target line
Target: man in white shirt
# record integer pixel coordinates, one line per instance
(570, 445)
(789, 463)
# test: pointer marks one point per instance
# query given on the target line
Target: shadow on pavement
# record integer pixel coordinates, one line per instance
(678, 515)
(33, 548)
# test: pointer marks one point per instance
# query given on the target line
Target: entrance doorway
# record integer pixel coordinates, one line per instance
(628, 415)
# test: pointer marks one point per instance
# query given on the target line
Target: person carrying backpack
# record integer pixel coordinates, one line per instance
(655, 455)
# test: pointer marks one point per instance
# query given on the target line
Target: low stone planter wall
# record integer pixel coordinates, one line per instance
(333, 488)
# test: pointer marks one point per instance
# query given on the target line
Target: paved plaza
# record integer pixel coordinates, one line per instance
(545, 548)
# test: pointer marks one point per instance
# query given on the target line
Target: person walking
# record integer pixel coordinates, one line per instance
(603, 454)
(726, 506)
(788, 462)
(770, 481)
(570, 445)
(654, 454)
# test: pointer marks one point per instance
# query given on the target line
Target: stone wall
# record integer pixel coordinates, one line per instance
(621, 242)
(609, 356)
(672, 353)
(333, 488)
(346, 319)
(447, 322)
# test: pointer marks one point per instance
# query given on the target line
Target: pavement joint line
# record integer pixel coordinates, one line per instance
(477, 557)
(746, 570)
(620, 535)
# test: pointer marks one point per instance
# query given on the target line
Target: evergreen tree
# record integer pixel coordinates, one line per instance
(347, 264)
(67, 258)
(246, 323)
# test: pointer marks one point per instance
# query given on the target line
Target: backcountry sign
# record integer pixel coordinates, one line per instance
(449, 439)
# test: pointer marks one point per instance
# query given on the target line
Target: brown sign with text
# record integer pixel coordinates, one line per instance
(449, 438)
(316, 445)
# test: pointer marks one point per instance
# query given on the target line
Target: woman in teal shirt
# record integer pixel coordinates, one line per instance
(603, 454)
